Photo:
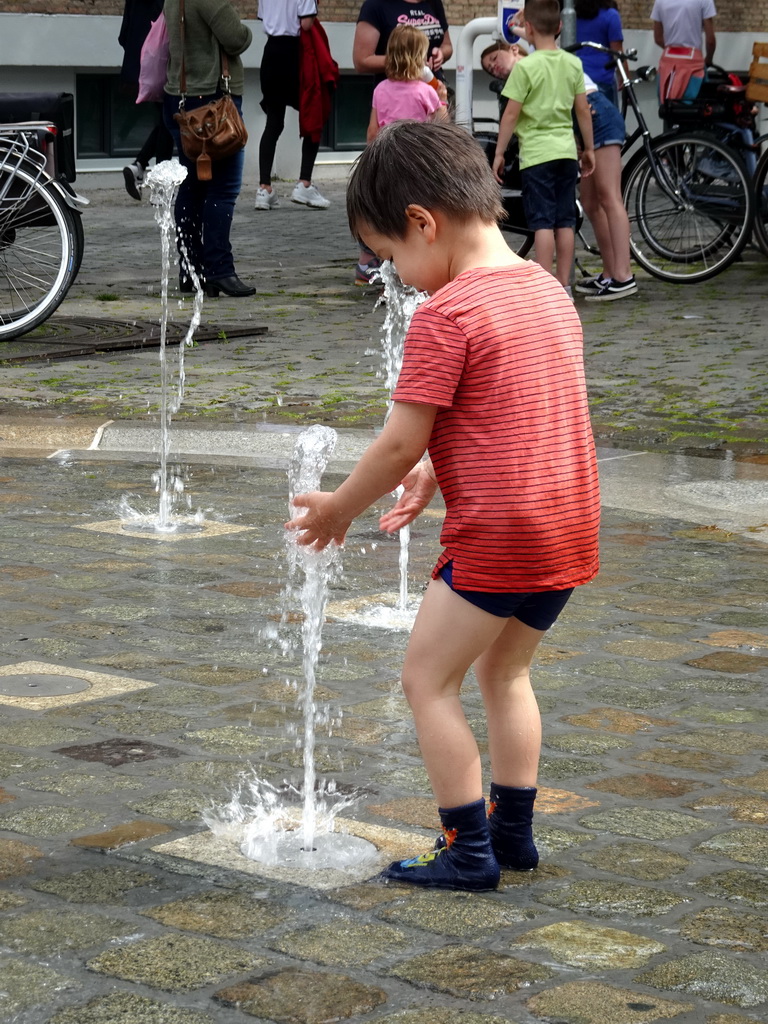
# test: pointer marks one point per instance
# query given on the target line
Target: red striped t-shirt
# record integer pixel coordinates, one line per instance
(499, 351)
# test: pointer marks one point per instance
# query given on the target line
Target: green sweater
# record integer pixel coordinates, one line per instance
(209, 24)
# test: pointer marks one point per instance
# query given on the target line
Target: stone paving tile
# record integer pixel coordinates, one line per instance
(748, 846)
(26, 986)
(460, 914)
(470, 973)
(17, 858)
(580, 944)
(726, 928)
(590, 1002)
(129, 1008)
(302, 997)
(612, 899)
(47, 932)
(224, 915)
(718, 976)
(739, 886)
(94, 885)
(175, 963)
(637, 860)
(342, 943)
(42, 821)
(644, 823)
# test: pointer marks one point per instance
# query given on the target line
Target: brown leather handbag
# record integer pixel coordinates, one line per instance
(214, 131)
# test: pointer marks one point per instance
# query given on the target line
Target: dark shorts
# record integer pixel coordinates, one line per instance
(538, 610)
(280, 72)
(549, 194)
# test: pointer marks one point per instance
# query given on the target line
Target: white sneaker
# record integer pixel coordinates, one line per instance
(308, 195)
(266, 200)
(134, 176)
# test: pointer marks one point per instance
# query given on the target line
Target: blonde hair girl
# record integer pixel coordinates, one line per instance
(405, 95)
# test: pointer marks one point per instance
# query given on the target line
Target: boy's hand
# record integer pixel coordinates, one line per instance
(321, 523)
(498, 167)
(587, 162)
(420, 487)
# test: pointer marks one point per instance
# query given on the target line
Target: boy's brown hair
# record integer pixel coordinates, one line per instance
(406, 54)
(436, 165)
(544, 15)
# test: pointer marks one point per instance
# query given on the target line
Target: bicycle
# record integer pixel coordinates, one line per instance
(688, 195)
(41, 232)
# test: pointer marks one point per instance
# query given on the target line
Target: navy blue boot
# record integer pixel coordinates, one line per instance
(462, 858)
(510, 821)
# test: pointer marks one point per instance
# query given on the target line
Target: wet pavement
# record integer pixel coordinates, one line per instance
(139, 677)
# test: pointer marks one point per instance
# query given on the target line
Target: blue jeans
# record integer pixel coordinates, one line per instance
(204, 209)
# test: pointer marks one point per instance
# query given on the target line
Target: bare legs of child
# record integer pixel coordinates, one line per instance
(604, 206)
(561, 243)
(450, 635)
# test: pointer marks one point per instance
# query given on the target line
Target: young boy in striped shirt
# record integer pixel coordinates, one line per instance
(492, 385)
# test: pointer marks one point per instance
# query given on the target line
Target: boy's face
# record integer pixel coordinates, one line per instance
(417, 258)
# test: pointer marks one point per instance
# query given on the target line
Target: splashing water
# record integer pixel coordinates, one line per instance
(311, 454)
(164, 180)
(401, 303)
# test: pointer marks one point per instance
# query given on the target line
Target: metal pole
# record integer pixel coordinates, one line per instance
(568, 30)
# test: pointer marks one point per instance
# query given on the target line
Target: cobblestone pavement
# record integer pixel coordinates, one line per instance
(139, 677)
(676, 366)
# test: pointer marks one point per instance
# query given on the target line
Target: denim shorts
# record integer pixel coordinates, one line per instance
(549, 194)
(608, 125)
(537, 610)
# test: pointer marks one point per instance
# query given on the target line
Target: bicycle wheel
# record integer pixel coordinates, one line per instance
(690, 210)
(515, 227)
(38, 250)
(761, 203)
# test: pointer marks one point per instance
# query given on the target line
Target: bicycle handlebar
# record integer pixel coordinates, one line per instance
(629, 54)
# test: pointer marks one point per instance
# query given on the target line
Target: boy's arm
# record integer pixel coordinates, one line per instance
(395, 451)
(584, 118)
(507, 127)
(373, 126)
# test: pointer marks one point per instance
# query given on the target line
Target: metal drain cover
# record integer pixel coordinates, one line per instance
(41, 685)
(62, 337)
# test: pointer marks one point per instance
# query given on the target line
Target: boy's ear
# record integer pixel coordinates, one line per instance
(420, 218)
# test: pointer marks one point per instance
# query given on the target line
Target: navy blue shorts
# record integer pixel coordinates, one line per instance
(539, 610)
(549, 194)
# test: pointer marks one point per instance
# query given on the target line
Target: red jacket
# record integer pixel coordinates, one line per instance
(318, 79)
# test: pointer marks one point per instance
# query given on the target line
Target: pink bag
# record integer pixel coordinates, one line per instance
(153, 62)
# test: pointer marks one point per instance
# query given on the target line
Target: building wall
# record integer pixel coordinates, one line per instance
(733, 15)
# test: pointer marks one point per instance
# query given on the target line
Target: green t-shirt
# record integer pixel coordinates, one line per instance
(546, 83)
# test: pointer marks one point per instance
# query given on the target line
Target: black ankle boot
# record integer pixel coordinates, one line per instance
(510, 821)
(232, 286)
(462, 859)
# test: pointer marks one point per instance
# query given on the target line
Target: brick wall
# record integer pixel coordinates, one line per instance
(734, 15)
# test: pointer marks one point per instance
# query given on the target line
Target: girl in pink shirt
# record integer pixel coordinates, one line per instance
(405, 95)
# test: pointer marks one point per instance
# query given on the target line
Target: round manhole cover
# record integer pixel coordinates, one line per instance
(41, 685)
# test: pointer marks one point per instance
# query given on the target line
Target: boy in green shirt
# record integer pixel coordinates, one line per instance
(543, 90)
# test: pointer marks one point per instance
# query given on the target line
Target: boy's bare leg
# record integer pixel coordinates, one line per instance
(544, 247)
(448, 636)
(514, 722)
(565, 247)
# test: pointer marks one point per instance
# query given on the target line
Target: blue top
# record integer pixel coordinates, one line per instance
(604, 29)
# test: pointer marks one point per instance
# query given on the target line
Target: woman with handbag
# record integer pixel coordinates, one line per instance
(206, 39)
